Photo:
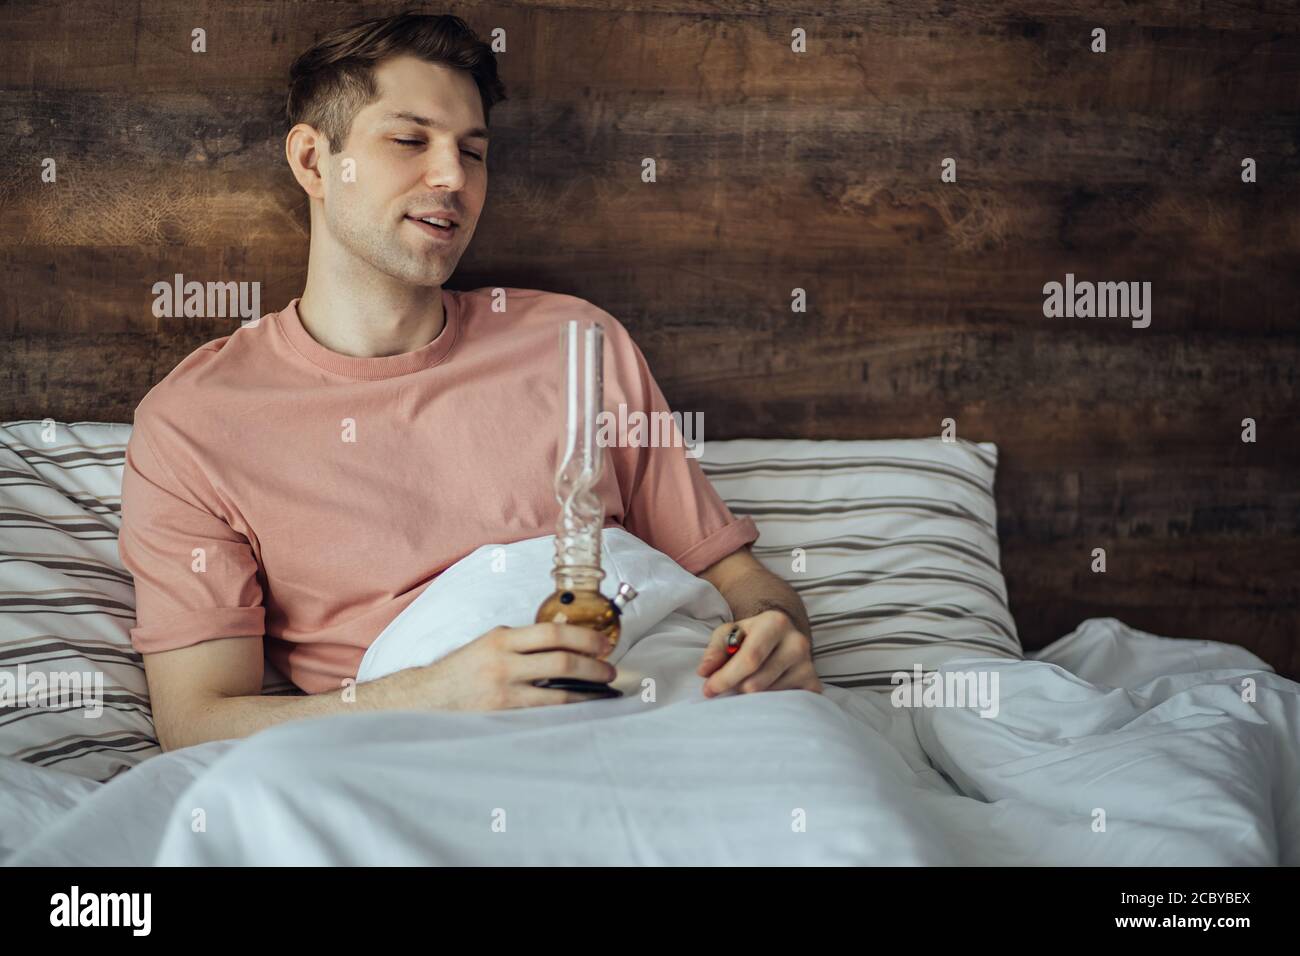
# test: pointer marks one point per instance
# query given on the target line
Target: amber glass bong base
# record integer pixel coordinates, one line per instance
(586, 608)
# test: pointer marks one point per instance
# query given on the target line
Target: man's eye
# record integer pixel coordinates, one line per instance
(420, 142)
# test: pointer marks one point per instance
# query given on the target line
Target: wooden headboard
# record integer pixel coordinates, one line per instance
(775, 170)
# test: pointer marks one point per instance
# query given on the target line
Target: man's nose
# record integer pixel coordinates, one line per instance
(446, 169)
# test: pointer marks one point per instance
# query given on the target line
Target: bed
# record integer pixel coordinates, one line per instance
(938, 739)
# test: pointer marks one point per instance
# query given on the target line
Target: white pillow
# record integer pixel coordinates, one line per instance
(898, 543)
(505, 584)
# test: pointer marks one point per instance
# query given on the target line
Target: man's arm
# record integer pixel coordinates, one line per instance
(213, 691)
(777, 650)
(751, 589)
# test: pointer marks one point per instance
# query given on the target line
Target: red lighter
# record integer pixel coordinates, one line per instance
(734, 639)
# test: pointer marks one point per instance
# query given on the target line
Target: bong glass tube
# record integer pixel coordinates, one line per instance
(581, 459)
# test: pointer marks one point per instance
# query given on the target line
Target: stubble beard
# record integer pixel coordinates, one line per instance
(371, 241)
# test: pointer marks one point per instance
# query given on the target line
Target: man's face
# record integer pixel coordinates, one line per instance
(405, 168)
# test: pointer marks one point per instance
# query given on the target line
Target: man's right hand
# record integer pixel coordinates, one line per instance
(497, 670)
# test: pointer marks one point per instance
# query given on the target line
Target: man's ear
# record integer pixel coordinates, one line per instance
(308, 155)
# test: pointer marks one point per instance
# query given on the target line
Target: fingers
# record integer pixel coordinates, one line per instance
(751, 657)
(546, 637)
(715, 654)
(526, 668)
(767, 675)
(802, 675)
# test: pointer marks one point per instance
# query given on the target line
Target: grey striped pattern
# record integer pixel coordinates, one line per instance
(899, 537)
(66, 602)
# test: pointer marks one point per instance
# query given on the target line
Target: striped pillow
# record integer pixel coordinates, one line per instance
(67, 604)
(892, 545)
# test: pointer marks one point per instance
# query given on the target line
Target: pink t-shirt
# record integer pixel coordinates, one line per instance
(274, 487)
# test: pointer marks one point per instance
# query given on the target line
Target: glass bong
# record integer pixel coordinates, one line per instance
(577, 598)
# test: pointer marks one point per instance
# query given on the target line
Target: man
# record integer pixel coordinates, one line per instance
(290, 488)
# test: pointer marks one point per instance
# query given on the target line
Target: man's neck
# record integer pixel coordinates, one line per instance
(369, 316)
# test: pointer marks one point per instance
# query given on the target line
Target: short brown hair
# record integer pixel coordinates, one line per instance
(331, 82)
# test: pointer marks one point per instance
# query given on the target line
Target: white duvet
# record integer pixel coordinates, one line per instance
(1111, 747)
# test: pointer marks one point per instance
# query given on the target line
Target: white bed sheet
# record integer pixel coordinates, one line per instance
(1152, 731)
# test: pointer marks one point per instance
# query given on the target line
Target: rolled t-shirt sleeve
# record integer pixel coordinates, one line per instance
(669, 502)
(195, 577)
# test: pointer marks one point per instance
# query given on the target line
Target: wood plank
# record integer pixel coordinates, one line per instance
(1203, 589)
(970, 55)
(776, 171)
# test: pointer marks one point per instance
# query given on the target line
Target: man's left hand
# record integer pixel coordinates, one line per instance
(774, 656)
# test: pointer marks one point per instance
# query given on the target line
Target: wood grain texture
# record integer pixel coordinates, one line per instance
(775, 172)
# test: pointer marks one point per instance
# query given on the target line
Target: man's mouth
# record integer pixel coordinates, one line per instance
(434, 226)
